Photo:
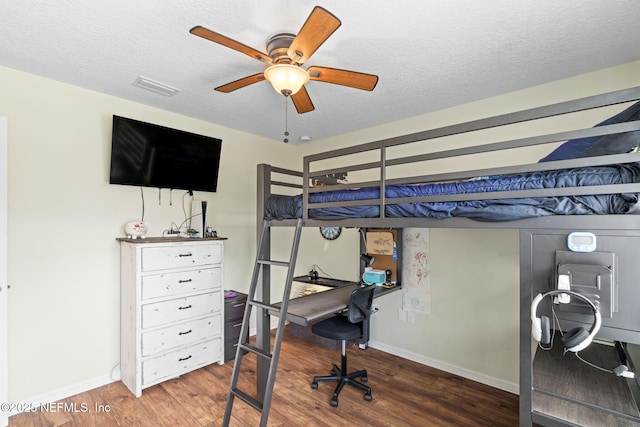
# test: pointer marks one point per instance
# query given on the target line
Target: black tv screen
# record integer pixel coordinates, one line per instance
(149, 155)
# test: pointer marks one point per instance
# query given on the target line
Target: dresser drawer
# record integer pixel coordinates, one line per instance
(168, 284)
(177, 256)
(179, 361)
(155, 314)
(160, 340)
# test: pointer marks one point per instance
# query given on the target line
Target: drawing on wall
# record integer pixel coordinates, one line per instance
(416, 270)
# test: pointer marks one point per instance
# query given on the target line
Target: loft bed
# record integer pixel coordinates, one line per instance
(591, 181)
(593, 178)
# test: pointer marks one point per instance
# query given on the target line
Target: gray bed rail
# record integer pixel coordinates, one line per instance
(377, 170)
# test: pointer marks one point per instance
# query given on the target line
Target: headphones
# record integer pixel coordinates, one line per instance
(575, 339)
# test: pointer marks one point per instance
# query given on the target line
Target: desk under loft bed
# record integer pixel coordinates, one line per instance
(590, 183)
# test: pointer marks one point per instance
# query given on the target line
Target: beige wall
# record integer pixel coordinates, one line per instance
(64, 217)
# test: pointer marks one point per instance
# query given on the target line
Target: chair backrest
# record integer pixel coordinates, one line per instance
(360, 304)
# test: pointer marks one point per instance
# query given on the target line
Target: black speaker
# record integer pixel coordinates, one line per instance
(204, 218)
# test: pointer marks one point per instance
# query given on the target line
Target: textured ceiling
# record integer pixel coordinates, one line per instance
(428, 54)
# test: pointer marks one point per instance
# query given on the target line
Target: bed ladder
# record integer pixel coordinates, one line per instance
(280, 311)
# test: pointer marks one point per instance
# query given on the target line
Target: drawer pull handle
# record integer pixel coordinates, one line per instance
(237, 324)
(184, 308)
(238, 305)
(182, 359)
(185, 333)
(185, 281)
(183, 255)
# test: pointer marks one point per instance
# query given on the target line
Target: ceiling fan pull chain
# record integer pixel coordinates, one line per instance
(286, 119)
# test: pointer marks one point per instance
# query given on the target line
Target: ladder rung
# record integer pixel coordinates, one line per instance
(273, 308)
(250, 400)
(265, 383)
(272, 262)
(253, 349)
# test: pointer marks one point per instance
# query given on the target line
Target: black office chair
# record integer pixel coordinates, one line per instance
(352, 326)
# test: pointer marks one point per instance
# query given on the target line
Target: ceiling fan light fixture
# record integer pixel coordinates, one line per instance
(286, 79)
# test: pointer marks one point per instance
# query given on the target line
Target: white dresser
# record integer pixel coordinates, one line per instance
(171, 309)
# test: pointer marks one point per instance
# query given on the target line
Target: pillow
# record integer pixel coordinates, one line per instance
(601, 145)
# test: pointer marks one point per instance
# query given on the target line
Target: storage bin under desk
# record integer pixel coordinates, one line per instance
(233, 313)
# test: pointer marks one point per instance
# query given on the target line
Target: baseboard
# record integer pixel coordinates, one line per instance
(443, 366)
(434, 363)
(65, 392)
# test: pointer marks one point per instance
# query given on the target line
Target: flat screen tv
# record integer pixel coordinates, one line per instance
(149, 155)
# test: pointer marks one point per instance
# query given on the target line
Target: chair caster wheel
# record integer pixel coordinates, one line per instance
(314, 385)
(368, 397)
(364, 379)
(334, 402)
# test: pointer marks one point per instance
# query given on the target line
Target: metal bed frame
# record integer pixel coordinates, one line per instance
(270, 178)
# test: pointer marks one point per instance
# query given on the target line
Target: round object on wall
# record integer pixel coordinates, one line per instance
(330, 233)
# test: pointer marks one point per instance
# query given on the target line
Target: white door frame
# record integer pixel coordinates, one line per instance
(4, 381)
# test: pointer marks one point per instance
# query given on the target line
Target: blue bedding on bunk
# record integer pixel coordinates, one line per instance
(288, 207)
(283, 207)
(601, 145)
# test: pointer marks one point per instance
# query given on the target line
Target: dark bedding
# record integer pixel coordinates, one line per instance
(288, 207)
(281, 207)
(601, 145)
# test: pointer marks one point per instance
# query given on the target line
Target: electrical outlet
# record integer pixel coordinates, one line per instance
(406, 315)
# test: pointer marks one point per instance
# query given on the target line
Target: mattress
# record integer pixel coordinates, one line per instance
(289, 207)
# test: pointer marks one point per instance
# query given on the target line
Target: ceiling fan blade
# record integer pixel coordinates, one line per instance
(343, 77)
(240, 83)
(230, 43)
(302, 101)
(316, 30)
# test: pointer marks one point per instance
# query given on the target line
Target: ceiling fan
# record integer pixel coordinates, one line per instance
(286, 54)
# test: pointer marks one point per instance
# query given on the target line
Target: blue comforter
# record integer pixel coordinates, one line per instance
(287, 207)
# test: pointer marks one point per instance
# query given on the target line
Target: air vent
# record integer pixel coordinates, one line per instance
(155, 86)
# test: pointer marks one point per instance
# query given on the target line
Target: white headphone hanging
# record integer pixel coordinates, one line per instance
(574, 340)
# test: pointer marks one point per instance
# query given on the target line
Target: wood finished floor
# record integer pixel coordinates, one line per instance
(404, 393)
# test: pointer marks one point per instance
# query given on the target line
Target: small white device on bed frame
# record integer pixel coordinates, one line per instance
(581, 241)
